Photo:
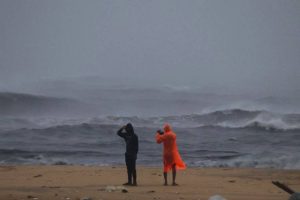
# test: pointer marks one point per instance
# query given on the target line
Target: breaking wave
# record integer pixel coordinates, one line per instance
(229, 138)
(233, 119)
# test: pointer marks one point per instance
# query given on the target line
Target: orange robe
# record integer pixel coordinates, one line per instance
(171, 155)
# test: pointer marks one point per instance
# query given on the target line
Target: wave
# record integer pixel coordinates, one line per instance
(255, 126)
(273, 126)
(265, 120)
(52, 157)
(212, 145)
(234, 119)
(279, 162)
(21, 104)
(231, 119)
(200, 158)
(52, 152)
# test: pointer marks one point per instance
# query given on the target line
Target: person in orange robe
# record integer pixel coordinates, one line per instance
(171, 156)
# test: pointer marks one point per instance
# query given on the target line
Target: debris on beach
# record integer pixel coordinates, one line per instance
(32, 197)
(60, 163)
(295, 196)
(86, 198)
(216, 197)
(112, 188)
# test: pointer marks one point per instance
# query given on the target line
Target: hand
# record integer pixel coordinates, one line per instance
(160, 132)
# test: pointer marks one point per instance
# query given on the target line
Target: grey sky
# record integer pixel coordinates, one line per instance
(243, 45)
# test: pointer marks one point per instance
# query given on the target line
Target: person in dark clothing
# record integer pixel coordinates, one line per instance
(132, 148)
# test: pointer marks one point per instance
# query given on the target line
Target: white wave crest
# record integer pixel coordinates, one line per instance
(266, 120)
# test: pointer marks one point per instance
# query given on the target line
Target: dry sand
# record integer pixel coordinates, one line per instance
(76, 182)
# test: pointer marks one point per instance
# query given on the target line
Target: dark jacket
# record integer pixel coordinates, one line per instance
(132, 142)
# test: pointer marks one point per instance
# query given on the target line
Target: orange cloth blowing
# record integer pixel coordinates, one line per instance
(170, 155)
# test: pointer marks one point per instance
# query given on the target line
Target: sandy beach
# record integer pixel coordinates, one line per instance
(77, 182)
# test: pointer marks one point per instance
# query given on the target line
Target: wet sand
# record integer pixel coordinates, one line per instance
(77, 182)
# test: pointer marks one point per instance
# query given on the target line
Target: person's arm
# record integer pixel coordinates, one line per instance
(159, 138)
(121, 133)
(137, 144)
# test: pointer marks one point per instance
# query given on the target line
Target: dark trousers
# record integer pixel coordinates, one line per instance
(131, 170)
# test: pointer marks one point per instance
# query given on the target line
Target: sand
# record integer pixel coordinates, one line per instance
(77, 182)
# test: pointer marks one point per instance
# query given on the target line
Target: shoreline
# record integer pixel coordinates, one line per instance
(73, 182)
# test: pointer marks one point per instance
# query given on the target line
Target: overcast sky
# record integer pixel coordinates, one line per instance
(239, 44)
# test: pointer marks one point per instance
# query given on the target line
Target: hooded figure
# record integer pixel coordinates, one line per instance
(171, 156)
(132, 148)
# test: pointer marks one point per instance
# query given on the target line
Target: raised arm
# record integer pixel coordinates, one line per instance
(121, 133)
(159, 138)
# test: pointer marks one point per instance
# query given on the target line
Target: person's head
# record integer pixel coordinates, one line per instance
(129, 128)
(167, 128)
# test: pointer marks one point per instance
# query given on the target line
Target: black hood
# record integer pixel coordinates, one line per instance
(129, 128)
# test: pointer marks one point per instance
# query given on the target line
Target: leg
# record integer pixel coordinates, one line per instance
(129, 172)
(134, 172)
(166, 178)
(174, 174)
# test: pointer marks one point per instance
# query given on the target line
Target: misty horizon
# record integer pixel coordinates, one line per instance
(234, 47)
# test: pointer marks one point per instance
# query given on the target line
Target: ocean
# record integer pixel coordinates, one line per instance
(220, 138)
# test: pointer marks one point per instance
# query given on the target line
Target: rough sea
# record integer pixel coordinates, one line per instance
(220, 138)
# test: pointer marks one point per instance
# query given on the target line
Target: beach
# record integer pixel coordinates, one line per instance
(79, 182)
(91, 89)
